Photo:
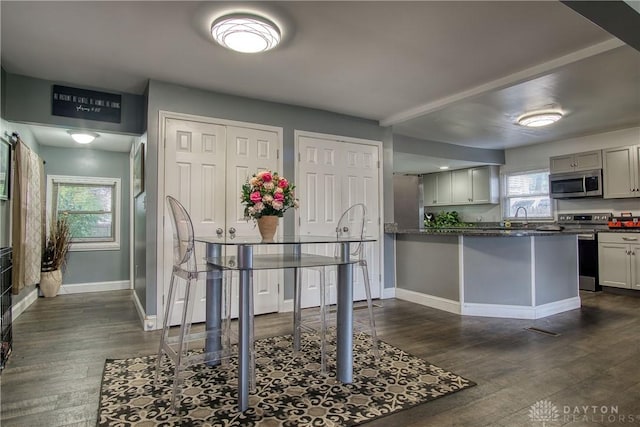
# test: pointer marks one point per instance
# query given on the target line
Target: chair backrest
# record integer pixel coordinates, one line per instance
(183, 243)
(352, 224)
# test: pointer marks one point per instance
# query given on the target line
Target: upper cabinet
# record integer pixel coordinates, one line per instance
(479, 185)
(576, 162)
(437, 189)
(621, 172)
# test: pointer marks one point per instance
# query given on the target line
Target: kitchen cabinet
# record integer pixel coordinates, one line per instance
(437, 189)
(619, 260)
(621, 172)
(479, 185)
(576, 162)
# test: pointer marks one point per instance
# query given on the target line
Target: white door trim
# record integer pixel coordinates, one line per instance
(338, 138)
(163, 116)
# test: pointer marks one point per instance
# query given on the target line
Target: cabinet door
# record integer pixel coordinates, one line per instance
(460, 187)
(589, 160)
(481, 185)
(635, 267)
(429, 184)
(443, 188)
(619, 169)
(614, 265)
(561, 164)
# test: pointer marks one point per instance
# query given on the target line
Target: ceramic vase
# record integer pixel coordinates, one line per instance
(50, 282)
(267, 225)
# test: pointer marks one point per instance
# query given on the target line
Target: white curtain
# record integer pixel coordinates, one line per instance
(27, 218)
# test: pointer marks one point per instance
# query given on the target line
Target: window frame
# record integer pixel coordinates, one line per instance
(504, 197)
(113, 245)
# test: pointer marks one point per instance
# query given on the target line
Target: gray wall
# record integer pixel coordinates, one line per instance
(410, 145)
(507, 259)
(174, 98)
(555, 278)
(428, 264)
(94, 266)
(29, 100)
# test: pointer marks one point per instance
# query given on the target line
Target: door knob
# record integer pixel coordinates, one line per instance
(219, 231)
(232, 230)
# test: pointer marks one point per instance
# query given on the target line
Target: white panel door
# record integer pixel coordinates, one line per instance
(319, 190)
(195, 175)
(248, 151)
(333, 175)
(360, 179)
(205, 167)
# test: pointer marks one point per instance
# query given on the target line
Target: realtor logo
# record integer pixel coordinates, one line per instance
(544, 411)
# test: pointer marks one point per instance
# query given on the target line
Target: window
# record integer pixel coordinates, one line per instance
(92, 206)
(528, 190)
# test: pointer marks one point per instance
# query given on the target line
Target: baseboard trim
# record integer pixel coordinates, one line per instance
(149, 323)
(287, 306)
(79, 288)
(556, 307)
(520, 311)
(428, 300)
(24, 303)
(388, 293)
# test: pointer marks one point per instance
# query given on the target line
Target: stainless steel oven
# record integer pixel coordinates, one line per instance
(576, 184)
(587, 225)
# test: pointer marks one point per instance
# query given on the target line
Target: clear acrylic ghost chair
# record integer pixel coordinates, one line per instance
(351, 224)
(185, 267)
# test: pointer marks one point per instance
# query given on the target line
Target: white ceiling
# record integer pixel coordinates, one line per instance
(59, 137)
(455, 72)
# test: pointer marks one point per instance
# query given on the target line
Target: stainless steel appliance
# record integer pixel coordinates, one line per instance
(408, 201)
(587, 224)
(576, 184)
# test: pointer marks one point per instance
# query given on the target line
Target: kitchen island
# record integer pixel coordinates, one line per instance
(520, 273)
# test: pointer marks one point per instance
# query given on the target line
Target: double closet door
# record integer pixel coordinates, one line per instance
(205, 166)
(333, 175)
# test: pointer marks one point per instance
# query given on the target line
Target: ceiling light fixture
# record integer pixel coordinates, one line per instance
(82, 137)
(539, 118)
(245, 33)
(444, 168)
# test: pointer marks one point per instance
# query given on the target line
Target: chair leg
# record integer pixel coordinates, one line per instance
(182, 348)
(165, 328)
(323, 321)
(252, 348)
(227, 284)
(297, 309)
(372, 323)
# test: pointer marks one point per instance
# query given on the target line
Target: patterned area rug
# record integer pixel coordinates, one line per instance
(291, 390)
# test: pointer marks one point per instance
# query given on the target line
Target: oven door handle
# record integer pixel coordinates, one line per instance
(630, 239)
(587, 236)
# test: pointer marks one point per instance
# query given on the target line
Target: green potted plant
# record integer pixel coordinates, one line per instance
(54, 257)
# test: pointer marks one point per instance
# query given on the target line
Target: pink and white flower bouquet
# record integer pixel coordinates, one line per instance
(267, 193)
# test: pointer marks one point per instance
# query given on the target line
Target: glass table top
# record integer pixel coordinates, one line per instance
(282, 240)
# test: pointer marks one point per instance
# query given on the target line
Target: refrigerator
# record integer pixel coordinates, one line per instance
(408, 201)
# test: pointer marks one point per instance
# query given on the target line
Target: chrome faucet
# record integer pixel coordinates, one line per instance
(526, 217)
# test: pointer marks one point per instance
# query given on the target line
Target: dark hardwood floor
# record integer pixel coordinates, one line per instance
(60, 344)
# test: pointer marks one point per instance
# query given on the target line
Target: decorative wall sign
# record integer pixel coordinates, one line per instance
(138, 171)
(5, 169)
(85, 104)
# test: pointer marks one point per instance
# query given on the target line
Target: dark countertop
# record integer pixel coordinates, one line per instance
(498, 232)
(479, 232)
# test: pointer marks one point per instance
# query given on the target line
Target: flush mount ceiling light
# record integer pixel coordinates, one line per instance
(82, 137)
(539, 118)
(245, 33)
(444, 168)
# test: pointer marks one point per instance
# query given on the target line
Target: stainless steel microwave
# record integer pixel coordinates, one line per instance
(576, 184)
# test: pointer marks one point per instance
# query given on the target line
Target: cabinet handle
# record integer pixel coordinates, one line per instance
(630, 239)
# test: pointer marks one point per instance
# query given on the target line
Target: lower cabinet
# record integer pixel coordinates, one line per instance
(619, 260)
